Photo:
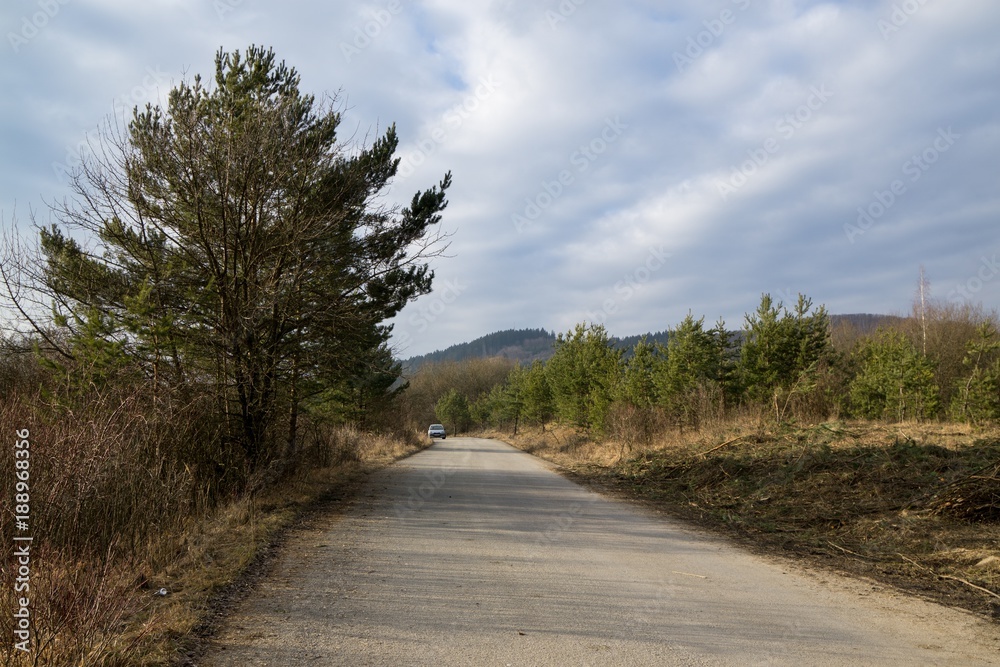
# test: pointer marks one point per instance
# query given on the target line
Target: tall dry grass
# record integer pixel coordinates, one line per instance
(112, 479)
(133, 492)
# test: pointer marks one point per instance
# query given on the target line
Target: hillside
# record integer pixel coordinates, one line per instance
(864, 323)
(523, 345)
(527, 345)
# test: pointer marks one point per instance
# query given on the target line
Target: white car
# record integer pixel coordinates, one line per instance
(436, 431)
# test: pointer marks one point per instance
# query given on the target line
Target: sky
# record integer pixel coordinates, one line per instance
(615, 163)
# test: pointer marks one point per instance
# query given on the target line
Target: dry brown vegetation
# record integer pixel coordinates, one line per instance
(133, 539)
(913, 505)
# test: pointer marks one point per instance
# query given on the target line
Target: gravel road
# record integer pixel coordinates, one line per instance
(474, 553)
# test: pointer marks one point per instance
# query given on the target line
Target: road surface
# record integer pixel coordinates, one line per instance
(474, 553)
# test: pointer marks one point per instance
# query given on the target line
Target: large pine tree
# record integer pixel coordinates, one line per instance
(232, 241)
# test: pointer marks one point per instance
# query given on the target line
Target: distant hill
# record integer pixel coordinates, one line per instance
(865, 323)
(527, 345)
(524, 345)
(629, 342)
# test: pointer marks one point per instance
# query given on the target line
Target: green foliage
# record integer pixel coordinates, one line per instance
(696, 370)
(96, 356)
(523, 395)
(536, 394)
(584, 374)
(784, 362)
(510, 405)
(236, 246)
(781, 351)
(452, 410)
(481, 410)
(642, 369)
(474, 378)
(894, 380)
(363, 396)
(977, 398)
(524, 345)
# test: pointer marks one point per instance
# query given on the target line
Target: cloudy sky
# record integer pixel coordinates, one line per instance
(622, 162)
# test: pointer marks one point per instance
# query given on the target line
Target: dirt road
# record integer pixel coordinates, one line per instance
(473, 553)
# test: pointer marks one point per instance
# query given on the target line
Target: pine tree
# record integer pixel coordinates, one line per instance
(453, 411)
(978, 397)
(537, 394)
(692, 369)
(638, 386)
(583, 375)
(235, 245)
(781, 351)
(895, 382)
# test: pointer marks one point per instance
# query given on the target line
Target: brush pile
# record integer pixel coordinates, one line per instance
(974, 498)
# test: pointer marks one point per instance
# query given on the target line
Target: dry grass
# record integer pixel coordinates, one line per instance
(214, 553)
(913, 505)
(127, 502)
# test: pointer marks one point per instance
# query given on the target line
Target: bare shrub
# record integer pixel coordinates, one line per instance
(80, 608)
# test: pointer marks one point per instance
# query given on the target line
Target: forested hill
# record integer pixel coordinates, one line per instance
(527, 345)
(865, 323)
(524, 345)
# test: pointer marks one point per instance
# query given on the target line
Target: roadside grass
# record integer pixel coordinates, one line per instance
(916, 506)
(134, 564)
(208, 570)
